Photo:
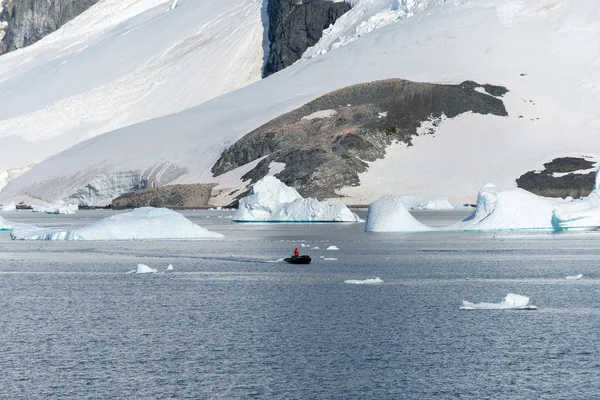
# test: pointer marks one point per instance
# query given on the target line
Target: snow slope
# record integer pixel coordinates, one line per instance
(119, 63)
(545, 52)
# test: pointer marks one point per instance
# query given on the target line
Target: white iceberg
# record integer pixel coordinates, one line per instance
(497, 209)
(56, 208)
(501, 209)
(330, 259)
(578, 214)
(140, 224)
(332, 247)
(389, 214)
(511, 302)
(8, 207)
(169, 268)
(5, 225)
(574, 277)
(144, 269)
(364, 281)
(270, 200)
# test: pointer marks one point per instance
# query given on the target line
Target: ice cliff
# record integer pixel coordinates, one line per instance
(271, 200)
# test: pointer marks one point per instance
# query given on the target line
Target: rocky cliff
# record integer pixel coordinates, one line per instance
(294, 26)
(561, 177)
(23, 22)
(325, 143)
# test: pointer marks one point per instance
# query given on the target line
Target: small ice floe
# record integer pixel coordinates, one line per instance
(143, 269)
(316, 248)
(512, 301)
(330, 259)
(169, 268)
(364, 281)
(574, 277)
(302, 245)
(332, 248)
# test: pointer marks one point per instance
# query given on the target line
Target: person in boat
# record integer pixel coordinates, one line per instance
(296, 252)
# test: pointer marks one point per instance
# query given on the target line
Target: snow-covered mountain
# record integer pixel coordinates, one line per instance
(122, 62)
(545, 52)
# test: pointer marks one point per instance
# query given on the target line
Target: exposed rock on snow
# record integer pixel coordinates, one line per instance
(511, 302)
(294, 26)
(562, 177)
(195, 195)
(364, 282)
(389, 214)
(271, 200)
(140, 224)
(29, 21)
(325, 154)
(56, 208)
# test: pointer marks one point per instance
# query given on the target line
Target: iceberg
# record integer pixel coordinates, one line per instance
(497, 209)
(169, 268)
(8, 207)
(512, 301)
(579, 214)
(500, 209)
(270, 200)
(333, 247)
(389, 214)
(144, 269)
(140, 224)
(364, 282)
(56, 208)
(574, 277)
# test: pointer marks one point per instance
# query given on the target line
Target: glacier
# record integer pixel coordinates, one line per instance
(146, 223)
(270, 200)
(546, 53)
(56, 208)
(512, 301)
(8, 207)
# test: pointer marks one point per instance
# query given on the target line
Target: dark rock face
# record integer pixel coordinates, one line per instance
(174, 196)
(326, 151)
(544, 183)
(296, 25)
(23, 22)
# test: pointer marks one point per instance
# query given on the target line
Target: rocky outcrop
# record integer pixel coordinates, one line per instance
(325, 143)
(172, 196)
(296, 25)
(23, 22)
(562, 177)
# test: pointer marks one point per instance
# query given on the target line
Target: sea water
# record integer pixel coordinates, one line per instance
(232, 322)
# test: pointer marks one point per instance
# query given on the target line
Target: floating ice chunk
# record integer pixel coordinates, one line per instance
(578, 214)
(364, 281)
(511, 302)
(272, 201)
(8, 207)
(302, 245)
(169, 268)
(330, 259)
(508, 209)
(574, 277)
(56, 208)
(332, 248)
(144, 269)
(8, 225)
(139, 224)
(389, 214)
(316, 248)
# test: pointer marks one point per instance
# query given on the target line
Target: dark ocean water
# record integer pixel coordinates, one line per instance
(231, 323)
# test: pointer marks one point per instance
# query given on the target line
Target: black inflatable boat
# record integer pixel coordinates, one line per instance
(298, 260)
